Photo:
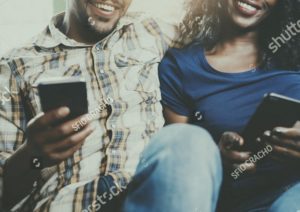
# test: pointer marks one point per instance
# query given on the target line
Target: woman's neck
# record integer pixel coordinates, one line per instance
(238, 51)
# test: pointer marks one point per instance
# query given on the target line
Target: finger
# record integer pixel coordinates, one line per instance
(285, 152)
(64, 154)
(60, 156)
(285, 142)
(265, 137)
(230, 140)
(235, 156)
(277, 158)
(246, 167)
(291, 133)
(31, 122)
(51, 117)
(66, 129)
(74, 139)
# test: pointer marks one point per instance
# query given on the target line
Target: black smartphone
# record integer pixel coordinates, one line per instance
(274, 111)
(70, 92)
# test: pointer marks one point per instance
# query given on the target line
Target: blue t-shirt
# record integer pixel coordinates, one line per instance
(219, 101)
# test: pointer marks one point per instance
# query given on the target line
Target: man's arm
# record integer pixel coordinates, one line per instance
(53, 144)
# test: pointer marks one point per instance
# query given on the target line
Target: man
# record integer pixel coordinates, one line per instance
(86, 169)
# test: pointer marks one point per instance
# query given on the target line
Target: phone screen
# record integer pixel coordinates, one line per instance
(66, 92)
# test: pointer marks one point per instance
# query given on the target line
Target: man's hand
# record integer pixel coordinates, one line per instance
(232, 157)
(55, 143)
(285, 143)
(52, 143)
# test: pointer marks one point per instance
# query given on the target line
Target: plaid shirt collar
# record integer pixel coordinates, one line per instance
(52, 37)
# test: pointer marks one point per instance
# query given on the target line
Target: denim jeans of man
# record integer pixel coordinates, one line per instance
(180, 170)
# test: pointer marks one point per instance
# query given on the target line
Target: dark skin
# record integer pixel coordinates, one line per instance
(57, 143)
(239, 51)
(53, 144)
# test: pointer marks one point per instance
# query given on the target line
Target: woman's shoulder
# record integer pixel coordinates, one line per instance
(182, 57)
(178, 64)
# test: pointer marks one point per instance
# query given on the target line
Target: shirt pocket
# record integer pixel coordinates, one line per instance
(139, 76)
(139, 87)
(140, 70)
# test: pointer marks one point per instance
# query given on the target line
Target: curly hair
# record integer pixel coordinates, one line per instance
(204, 20)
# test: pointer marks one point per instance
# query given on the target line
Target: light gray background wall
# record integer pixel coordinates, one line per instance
(22, 19)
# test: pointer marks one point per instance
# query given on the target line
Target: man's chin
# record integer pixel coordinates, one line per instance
(103, 28)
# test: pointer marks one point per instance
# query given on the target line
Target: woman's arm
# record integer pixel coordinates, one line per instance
(172, 117)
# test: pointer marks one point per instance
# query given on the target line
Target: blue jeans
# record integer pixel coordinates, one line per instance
(179, 171)
(288, 201)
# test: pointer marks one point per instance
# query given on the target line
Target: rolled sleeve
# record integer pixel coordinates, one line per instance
(171, 86)
(121, 179)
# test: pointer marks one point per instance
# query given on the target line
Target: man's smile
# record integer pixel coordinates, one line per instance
(105, 9)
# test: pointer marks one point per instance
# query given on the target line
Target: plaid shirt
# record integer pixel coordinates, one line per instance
(121, 68)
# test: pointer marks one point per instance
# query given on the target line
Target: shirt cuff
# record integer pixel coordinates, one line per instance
(121, 180)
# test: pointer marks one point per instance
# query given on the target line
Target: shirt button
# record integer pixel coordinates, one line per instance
(101, 71)
(98, 48)
(109, 100)
(113, 126)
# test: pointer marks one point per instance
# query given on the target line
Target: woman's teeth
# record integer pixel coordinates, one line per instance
(105, 7)
(246, 6)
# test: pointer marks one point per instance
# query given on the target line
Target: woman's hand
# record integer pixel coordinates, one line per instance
(285, 143)
(233, 158)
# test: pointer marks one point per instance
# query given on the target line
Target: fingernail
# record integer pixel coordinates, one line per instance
(63, 111)
(267, 133)
(236, 138)
(245, 154)
(258, 139)
(279, 130)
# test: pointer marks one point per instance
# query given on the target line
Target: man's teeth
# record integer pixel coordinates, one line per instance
(105, 7)
(246, 6)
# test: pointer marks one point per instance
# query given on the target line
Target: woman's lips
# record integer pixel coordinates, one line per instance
(246, 8)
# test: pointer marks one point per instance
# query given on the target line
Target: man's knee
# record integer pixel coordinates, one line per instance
(186, 140)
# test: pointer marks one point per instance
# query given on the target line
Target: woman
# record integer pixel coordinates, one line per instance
(239, 50)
